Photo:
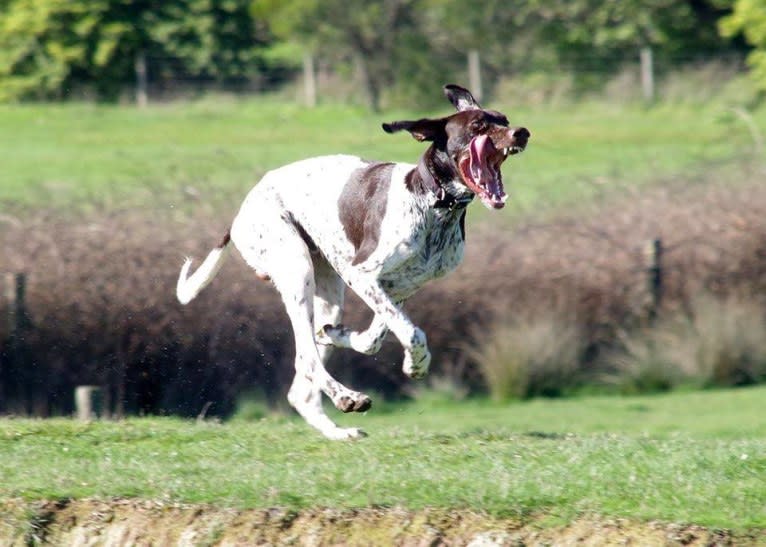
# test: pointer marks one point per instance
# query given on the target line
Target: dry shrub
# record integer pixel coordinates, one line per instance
(730, 336)
(722, 342)
(594, 264)
(644, 363)
(718, 342)
(529, 357)
(102, 308)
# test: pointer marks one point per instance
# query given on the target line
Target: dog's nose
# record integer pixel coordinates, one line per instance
(521, 134)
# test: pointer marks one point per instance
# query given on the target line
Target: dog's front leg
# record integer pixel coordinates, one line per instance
(367, 341)
(417, 358)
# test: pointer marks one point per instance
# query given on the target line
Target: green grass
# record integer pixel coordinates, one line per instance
(78, 155)
(685, 457)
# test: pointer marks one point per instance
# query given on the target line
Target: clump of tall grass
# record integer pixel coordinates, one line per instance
(718, 342)
(725, 342)
(523, 358)
(643, 363)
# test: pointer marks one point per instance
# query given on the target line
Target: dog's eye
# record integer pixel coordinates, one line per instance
(478, 125)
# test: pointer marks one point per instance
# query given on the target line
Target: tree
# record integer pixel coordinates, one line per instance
(506, 43)
(381, 36)
(589, 37)
(749, 18)
(48, 45)
(591, 33)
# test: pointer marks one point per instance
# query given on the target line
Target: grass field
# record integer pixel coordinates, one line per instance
(686, 457)
(80, 155)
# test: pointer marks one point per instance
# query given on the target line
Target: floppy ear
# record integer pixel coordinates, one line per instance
(422, 130)
(461, 98)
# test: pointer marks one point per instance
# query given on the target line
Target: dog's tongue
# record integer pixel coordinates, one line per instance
(484, 174)
(478, 157)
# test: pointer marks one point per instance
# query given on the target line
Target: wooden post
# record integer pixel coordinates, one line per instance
(7, 354)
(142, 79)
(474, 74)
(647, 74)
(9, 292)
(14, 289)
(87, 401)
(654, 269)
(309, 81)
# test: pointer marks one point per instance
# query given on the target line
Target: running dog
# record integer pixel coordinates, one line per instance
(383, 229)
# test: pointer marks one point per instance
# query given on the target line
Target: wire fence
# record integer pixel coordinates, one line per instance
(642, 74)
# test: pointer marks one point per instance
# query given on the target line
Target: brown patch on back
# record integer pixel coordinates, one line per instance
(362, 206)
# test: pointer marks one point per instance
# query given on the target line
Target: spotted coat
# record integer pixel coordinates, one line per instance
(317, 226)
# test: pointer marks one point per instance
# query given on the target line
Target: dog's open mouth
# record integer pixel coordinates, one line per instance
(480, 169)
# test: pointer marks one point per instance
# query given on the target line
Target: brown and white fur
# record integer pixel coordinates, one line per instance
(315, 226)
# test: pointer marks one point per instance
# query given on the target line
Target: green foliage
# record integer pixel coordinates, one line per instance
(49, 46)
(395, 47)
(382, 38)
(595, 36)
(749, 19)
(39, 44)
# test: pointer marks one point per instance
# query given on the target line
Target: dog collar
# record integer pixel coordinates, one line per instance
(444, 200)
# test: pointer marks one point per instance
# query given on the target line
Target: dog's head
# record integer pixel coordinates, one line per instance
(469, 146)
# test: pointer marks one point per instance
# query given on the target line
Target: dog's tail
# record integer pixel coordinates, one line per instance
(189, 286)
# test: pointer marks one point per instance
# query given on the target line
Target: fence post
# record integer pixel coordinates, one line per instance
(474, 74)
(142, 79)
(87, 402)
(647, 73)
(655, 274)
(309, 80)
(14, 289)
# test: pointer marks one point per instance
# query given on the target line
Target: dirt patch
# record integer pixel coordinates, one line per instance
(131, 522)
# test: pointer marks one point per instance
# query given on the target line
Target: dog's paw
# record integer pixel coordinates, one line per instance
(357, 402)
(416, 363)
(345, 434)
(332, 335)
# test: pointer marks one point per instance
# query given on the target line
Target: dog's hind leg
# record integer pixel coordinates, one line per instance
(284, 257)
(328, 309)
(296, 284)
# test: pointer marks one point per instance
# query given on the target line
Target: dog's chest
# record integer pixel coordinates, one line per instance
(434, 248)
